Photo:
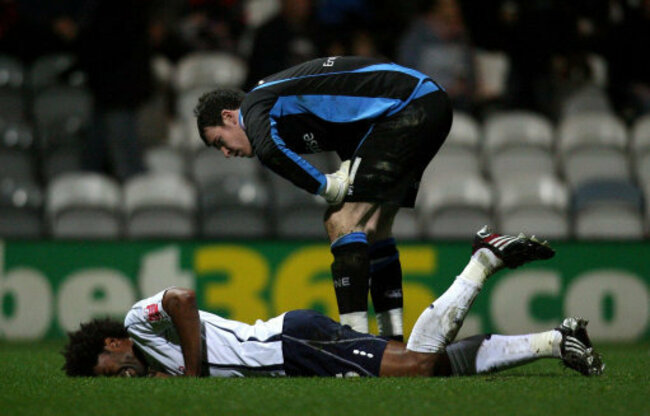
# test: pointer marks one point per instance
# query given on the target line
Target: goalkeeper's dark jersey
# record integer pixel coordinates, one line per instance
(324, 104)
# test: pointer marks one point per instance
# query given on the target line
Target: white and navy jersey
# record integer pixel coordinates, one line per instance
(324, 104)
(230, 348)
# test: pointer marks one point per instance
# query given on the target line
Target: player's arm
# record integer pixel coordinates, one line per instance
(180, 305)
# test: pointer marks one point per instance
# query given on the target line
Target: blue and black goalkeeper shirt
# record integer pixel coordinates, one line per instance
(322, 105)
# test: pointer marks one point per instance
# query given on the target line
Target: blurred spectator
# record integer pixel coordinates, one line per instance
(38, 27)
(286, 40)
(629, 64)
(438, 45)
(212, 24)
(114, 51)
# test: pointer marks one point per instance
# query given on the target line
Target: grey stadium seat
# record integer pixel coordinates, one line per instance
(593, 146)
(12, 72)
(587, 99)
(608, 209)
(456, 207)
(20, 209)
(84, 206)
(160, 205)
(62, 104)
(210, 165)
(12, 98)
(16, 152)
(517, 128)
(236, 207)
(298, 214)
(465, 131)
(12, 105)
(451, 161)
(533, 205)
(515, 162)
(640, 148)
(166, 159)
(209, 68)
(55, 69)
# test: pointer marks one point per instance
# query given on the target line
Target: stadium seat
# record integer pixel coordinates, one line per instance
(187, 100)
(55, 69)
(608, 209)
(21, 205)
(492, 73)
(593, 146)
(533, 205)
(62, 104)
(641, 134)
(12, 105)
(12, 73)
(236, 207)
(84, 206)
(259, 11)
(160, 205)
(588, 99)
(517, 128)
(465, 131)
(12, 98)
(17, 164)
(210, 165)
(451, 161)
(455, 207)
(165, 159)
(201, 69)
(406, 225)
(514, 162)
(298, 215)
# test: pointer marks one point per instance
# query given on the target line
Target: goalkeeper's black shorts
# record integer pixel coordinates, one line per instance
(394, 155)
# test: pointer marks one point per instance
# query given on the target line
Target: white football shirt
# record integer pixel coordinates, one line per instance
(230, 348)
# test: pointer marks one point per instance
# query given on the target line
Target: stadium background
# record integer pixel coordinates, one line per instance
(551, 136)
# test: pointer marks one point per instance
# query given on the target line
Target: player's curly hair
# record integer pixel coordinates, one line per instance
(87, 343)
(208, 110)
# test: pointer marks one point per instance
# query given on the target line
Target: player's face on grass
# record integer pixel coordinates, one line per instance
(119, 360)
(230, 138)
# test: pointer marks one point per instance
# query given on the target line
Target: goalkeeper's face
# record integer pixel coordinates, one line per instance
(230, 138)
(119, 359)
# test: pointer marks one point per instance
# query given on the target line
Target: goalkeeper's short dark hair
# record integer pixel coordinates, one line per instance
(87, 343)
(208, 110)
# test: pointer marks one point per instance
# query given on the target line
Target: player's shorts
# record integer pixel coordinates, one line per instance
(315, 345)
(398, 149)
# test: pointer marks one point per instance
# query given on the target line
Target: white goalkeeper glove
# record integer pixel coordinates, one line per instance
(337, 184)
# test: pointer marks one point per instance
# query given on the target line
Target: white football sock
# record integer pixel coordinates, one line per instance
(438, 325)
(389, 322)
(504, 351)
(357, 320)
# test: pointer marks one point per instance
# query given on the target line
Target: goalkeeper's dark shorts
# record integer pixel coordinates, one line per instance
(315, 345)
(397, 150)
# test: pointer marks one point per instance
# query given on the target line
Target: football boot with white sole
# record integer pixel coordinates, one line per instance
(576, 348)
(513, 251)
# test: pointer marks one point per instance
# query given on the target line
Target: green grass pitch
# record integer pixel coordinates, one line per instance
(31, 383)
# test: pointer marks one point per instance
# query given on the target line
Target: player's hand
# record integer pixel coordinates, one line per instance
(337, 184)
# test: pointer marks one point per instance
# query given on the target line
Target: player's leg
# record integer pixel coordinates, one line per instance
(483, 354)
(386, 275)
(345, 227)
(489, 353)
(438, 325)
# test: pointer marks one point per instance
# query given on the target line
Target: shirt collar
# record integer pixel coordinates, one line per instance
(241, 120)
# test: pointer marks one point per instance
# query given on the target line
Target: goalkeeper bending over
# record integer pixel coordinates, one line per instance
(166, 335)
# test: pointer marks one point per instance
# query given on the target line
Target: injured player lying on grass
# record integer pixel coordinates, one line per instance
(166, 335)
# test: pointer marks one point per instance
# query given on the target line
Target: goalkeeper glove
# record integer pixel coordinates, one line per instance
(337, 184)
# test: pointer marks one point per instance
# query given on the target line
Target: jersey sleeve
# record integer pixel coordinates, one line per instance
(273, 152)
(152, 329)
